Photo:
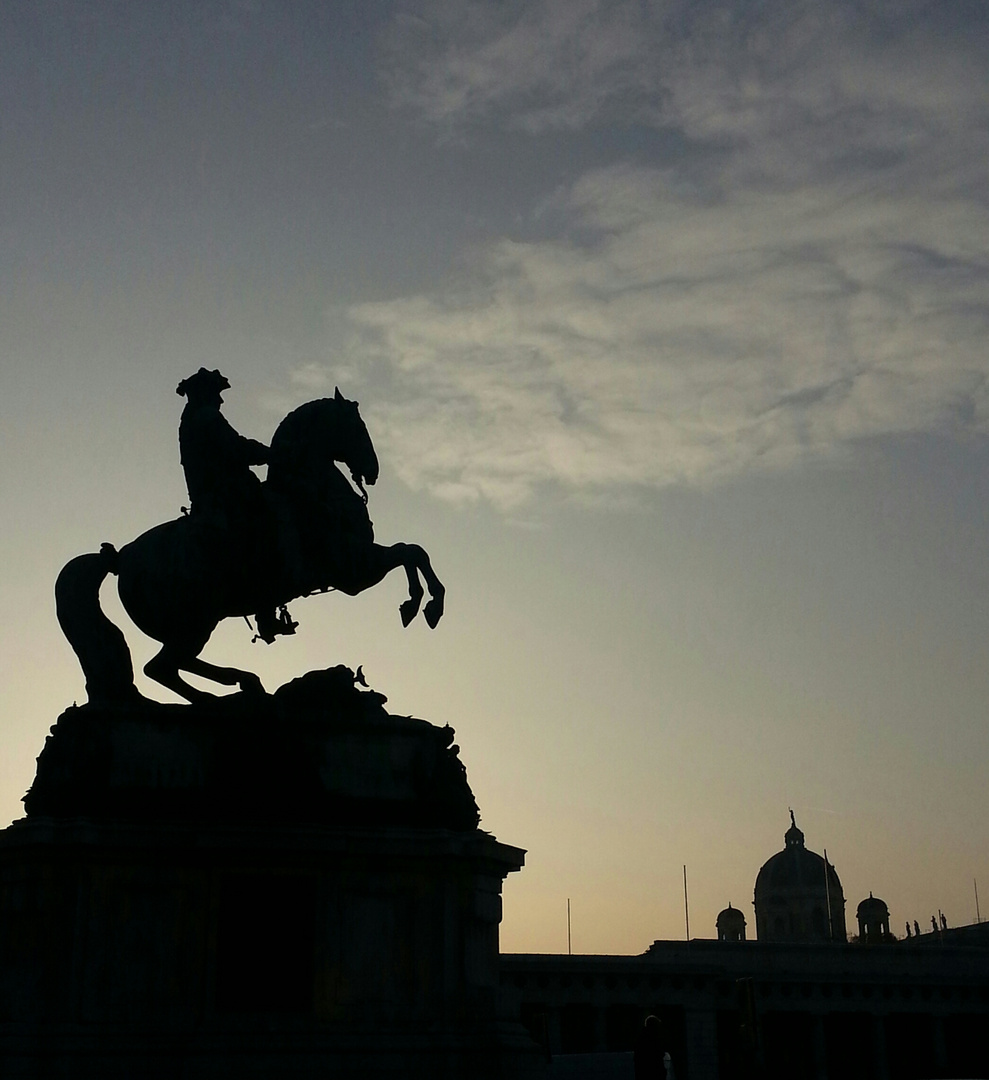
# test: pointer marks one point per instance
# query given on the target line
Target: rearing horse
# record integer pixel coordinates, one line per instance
(180, 579)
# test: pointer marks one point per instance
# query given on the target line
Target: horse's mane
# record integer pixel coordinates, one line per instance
(313, 418)
(312, 437)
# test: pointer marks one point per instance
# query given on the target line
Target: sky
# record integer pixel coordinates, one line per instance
(668, 322)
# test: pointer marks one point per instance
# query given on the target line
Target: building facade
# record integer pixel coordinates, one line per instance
(734, 1010)
(799, 1003)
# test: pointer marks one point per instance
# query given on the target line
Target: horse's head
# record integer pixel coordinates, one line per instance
(354, 446)
(315, 435)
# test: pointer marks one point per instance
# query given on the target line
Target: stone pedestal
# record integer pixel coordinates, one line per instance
(280, 888)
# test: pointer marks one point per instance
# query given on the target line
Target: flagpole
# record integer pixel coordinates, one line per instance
(686, 908)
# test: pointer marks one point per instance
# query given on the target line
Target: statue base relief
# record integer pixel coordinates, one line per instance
(278, 887)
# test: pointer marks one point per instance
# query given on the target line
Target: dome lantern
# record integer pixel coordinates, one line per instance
(793, 837)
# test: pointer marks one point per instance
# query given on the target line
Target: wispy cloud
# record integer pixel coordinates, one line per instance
(813, 271)
(685, 343)
(709, 66)
(534, 65)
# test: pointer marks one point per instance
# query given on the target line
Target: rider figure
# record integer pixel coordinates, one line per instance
(223, 491)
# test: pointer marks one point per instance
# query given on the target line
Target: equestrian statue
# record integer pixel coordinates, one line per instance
(243, 547)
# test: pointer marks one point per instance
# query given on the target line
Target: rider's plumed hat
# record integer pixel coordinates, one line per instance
(201, 384)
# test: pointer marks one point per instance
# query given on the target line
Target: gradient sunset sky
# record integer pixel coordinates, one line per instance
(668, 319)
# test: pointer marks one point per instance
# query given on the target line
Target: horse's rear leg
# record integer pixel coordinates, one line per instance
(226, 676)
(163, 667)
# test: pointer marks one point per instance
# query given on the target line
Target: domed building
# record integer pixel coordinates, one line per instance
(794, 892)
(731, 925)
(873, 920)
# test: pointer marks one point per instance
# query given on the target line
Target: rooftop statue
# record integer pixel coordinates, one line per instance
(245, 547)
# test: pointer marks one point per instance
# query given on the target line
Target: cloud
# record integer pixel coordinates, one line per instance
(549, 64)
(706, 65)
(791, 89)
(684, 344)
(812, 271)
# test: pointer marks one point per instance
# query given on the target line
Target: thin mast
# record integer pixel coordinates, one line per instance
(686, 908)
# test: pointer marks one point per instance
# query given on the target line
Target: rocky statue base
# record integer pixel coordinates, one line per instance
(261, 887)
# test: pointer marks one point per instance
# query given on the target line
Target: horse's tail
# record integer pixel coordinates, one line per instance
(99, 645)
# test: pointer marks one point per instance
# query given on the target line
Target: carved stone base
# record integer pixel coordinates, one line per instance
(170, 908)
(318, 750)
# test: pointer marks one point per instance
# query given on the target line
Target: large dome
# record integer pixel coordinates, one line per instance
(796, 868)
(793, 892)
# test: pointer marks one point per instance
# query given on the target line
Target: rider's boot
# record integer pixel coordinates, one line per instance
(267, 624)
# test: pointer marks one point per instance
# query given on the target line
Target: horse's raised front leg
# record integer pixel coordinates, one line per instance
(409, 609)
(433, 611)
(415, 561)
(381, 560)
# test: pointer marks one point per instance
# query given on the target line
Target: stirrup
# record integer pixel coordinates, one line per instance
(284, 623)
(271, 624)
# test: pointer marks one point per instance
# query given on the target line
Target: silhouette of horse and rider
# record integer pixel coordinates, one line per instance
(245, 547)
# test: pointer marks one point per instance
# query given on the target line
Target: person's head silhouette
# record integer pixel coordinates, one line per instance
(203, 388)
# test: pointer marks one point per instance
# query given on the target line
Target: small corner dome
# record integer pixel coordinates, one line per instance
(731, 916)
(731, 924)
(872, 908)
